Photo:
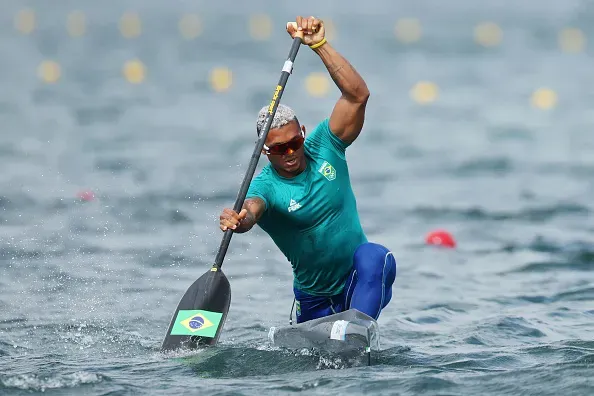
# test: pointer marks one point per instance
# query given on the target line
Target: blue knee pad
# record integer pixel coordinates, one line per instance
(369, 288)
(375, 262)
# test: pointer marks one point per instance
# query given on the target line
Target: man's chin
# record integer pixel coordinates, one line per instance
(292, 167)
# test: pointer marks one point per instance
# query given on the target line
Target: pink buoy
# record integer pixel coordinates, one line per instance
(86, 195)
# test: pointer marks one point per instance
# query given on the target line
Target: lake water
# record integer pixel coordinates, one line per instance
(88, 287)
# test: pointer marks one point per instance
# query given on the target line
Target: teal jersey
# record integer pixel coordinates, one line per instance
(313, 217)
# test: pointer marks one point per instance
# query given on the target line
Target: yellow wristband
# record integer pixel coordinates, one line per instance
(318, 45)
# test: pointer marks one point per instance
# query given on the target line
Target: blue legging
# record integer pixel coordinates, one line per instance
(368, 287)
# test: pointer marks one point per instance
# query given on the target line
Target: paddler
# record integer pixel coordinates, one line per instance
(303, 199)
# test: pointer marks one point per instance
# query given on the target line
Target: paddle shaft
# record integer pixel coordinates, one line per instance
(278, 92)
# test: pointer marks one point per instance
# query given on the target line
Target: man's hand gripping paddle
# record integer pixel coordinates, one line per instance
(202, 311)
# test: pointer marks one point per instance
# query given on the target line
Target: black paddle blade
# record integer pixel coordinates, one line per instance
(200, 314)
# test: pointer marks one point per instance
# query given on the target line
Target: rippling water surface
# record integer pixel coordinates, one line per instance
(87, 288)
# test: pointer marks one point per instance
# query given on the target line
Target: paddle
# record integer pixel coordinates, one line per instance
(202, 311)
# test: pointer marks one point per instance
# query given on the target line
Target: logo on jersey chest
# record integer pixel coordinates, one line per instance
(293, 206)
(328, 171)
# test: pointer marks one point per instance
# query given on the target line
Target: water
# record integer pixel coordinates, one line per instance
(87, 288)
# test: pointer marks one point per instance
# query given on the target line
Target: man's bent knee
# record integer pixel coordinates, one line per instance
(374, 262)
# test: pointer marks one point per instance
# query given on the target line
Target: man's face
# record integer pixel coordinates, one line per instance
(285, 149)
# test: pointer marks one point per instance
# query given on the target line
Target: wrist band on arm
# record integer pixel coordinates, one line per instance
(318, 45)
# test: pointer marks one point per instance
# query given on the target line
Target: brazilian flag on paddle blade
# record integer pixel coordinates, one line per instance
(196, 323)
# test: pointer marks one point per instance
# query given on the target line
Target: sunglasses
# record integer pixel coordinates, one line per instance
(286, 148)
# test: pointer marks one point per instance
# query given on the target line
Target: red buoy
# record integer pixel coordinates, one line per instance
(440, 238)
(86, 195)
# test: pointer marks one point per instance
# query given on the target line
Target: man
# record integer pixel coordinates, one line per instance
(304, 201)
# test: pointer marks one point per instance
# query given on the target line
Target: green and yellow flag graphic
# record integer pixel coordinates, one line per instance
(196, 323)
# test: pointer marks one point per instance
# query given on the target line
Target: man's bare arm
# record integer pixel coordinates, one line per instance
(348, 115)
(255, 208)
(252, 210)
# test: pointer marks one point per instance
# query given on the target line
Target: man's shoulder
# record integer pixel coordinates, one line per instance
(261, 186)
(317, 133)
(322, 126)
(264, 174)
(322, 138)
(265, 180)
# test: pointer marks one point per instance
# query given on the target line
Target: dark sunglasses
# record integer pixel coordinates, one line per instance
(286, 148)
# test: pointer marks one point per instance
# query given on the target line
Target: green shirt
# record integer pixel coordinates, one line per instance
(313, 217)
